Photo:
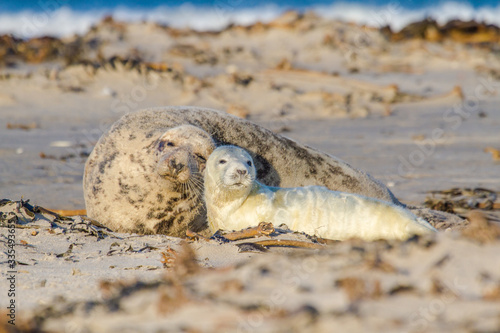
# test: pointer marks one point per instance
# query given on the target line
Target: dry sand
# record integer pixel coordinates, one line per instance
(416, 114)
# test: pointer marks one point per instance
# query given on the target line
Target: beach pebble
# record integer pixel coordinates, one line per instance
(231, 69)
(107, 91)
(61, 144)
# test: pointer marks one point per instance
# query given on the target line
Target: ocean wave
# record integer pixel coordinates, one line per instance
(397, 17)
(64, 21)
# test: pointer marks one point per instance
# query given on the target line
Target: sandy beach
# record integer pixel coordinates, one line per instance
(417, 109)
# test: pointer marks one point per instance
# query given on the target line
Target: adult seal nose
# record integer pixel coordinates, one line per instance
(176, 166)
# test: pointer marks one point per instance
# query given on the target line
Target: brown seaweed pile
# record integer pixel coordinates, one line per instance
(462, 200)
(469, 32)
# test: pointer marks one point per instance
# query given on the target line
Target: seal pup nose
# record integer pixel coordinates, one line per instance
(241, 172)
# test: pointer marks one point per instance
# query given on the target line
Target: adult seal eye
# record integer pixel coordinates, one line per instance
(222, 162)
(249, 163)
(170, 144)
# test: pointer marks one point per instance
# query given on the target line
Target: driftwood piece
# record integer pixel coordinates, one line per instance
(263, 229)
(289, 242)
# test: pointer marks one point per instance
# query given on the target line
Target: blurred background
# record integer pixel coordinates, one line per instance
(407, 91)
(63, 17)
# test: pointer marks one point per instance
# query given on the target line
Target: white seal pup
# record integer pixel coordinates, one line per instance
(236, 200)
(151, 185)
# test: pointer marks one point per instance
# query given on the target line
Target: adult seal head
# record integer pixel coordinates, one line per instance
(236, 200)
(150, 185)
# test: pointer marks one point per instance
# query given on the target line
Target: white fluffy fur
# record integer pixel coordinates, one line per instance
(236, 200)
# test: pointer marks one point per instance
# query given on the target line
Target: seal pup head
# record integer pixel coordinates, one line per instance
(182, 153)
(231, 170)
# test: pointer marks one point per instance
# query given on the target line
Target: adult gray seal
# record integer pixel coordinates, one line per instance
(149, 184)
(235, 200)
(119, 183)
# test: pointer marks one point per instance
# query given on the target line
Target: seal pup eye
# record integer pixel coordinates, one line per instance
(222, 162)
(249, 163)
(170, 144)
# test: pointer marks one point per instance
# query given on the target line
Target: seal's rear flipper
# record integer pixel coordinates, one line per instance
(439, 220)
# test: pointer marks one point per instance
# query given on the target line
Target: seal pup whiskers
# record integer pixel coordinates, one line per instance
(236, 200)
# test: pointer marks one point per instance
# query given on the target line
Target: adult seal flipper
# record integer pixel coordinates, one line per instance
(279, 162)
(438, 219)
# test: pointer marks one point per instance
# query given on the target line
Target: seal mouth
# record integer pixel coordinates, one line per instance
(171, 178)
(237, 186)
(234, 186)
(176, 179)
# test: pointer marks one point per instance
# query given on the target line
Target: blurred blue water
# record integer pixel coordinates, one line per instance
(14, 6)
(31, 18)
